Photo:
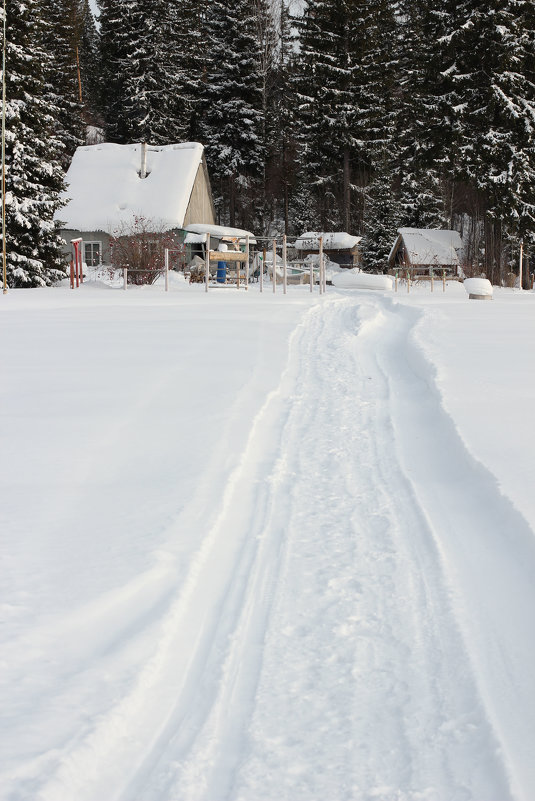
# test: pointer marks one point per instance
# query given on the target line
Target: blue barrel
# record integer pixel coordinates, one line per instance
(221, 272)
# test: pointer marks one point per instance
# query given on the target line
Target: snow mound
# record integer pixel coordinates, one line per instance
(352, 279)
(478, 286)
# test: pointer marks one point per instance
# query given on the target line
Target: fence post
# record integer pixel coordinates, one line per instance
(247, 261)
(166, 269)
(262, 270)
(432, 279)
(207, 263)
(396, 282)
(274, 266)
(322, 289)
(408, 282)
(125, 277)
(284, 276)
(443, 280)
(311, 276)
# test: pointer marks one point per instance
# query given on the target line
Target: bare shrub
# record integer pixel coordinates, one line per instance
(139, 245)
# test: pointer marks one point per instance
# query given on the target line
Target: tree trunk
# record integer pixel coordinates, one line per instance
(232, 200)
(346, 209)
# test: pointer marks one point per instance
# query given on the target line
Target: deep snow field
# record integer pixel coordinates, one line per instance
(259, 547)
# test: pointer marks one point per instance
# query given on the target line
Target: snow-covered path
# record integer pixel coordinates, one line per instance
(340, 610)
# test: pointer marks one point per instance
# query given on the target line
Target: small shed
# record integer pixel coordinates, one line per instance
(424, 249)
(110, 185)
(338, 246)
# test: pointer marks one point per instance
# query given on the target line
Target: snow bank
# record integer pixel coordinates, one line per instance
(105, 189)
(353, 279)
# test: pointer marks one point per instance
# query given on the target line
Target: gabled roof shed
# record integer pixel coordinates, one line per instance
(426, 248)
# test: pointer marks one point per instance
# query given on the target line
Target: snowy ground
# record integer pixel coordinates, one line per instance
(267, 548)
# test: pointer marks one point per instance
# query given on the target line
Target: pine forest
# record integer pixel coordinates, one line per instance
(334, 115)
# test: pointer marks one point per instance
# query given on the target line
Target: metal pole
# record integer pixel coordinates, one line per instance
(4, 260)
(284, 276)
(262, 270)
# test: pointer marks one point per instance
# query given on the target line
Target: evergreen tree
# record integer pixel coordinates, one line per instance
(189, 46)
(424, 145)
(233, 121)
(34, 178)
(381, 67)
(383, 216)
(340, 94)
(491, 70)
(115, 48)
(151, 69)
(62, 72)
(88, 40)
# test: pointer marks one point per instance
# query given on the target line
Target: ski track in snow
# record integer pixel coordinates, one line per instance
(352, 623)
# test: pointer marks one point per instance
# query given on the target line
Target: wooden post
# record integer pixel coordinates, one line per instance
(262, 270)
(396, 281)
(432, 279)
(311, 277)
(247, 261)
(520, 266)
(166, 270)
(72, 274)
(284, 276)
(443, 280)
(207, 263)
(408, 282)
(125, 277)
(322, 289)
(274, 266)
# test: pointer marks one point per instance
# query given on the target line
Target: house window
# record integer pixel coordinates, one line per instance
(92, 253)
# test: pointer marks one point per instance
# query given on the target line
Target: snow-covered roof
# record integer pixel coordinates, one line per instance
(197, 233)
(104, 188)
(429, 246)
(332, 240)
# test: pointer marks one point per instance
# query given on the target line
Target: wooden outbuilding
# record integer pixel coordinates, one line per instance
(338, 246)
(422, 250)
